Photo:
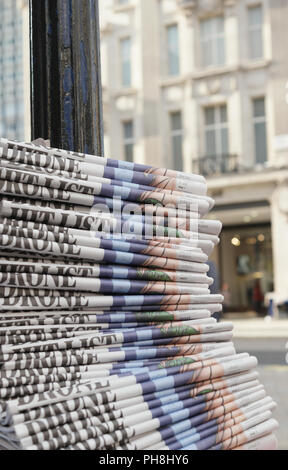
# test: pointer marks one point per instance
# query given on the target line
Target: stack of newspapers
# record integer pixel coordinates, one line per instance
(107, 339)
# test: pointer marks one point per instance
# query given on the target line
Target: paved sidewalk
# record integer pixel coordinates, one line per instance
(260, 328)
(267, 339)
(275, 381)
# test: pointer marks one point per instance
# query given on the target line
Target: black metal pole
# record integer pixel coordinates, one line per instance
(66, 96)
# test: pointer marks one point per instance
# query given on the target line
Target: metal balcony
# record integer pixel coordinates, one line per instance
(216, 165)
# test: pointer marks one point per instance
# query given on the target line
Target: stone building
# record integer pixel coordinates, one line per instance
(202, 85)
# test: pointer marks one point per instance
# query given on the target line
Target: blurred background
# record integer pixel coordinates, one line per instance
(202, 86)
(199, 86)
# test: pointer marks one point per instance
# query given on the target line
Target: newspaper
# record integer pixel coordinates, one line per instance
(106, 335)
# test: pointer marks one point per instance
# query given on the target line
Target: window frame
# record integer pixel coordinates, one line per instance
(214, 40)
(218, 126)
(170, 52)
(176, 133)
(128, 141)
(255, 28)
(124, 62)
(259, 120)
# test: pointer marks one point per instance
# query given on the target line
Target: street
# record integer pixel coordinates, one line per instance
(269, 351)
(273, 371)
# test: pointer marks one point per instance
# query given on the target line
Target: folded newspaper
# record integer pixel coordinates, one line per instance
(107, 339)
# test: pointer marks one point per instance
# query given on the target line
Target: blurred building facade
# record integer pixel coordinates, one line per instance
(202, 85)
(14, 69)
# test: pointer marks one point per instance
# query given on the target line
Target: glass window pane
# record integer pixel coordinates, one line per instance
(219, 22)
(129, 152)
(126, 61)
(216, 131)
(207, 53)
(173, 49)
(126, 75)
(128, 130)
(210, 137)
(177, 153)
(128, 134)
(209, 116)
(224, 142)
(205, 27)
(259, 107)
(260, 142)
(125, 47)
(255, 21)
(212, 33)
(255, 15)
(256, 44)
(176, 121)
(177, 140)
(223, 113)
(220, 51)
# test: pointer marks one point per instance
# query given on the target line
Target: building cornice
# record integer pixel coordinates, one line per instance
(174, 81)
(123, 8)
(215, 72)
(271, 175)
(204, 8)
(124, 92)
(228, 69)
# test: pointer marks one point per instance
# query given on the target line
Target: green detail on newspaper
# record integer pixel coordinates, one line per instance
(154, 316)
(176, 362)
(151, 200)
(180, 331)
(153, 275)
(204, 392)
(165, 232)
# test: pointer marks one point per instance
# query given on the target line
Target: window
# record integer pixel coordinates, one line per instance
(173, 49)
(177, 140)
(216, 131)
(255, 24)
(213, 41)
(125, 46)
(128, 133)
(259, 125)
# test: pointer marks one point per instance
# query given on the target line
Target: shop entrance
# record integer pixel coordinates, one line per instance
(246, 266)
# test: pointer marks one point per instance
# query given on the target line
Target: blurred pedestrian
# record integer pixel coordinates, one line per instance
(215, 287)
(257, 296)
(227, 297)
(213, 272)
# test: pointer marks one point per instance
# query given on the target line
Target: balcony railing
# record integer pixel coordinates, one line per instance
(187, 4)
(216, 165)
